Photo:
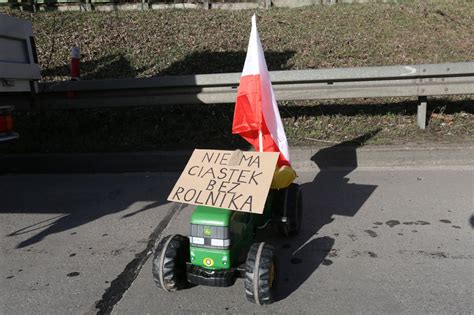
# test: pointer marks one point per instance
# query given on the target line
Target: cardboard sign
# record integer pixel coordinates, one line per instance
(232, 180)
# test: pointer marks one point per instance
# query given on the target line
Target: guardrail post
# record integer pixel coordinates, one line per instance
(266, 4)
(144, 5)
(421, 112)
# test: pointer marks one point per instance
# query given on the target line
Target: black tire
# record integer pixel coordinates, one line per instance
(260, 274)
(289, 210)
(169, 263)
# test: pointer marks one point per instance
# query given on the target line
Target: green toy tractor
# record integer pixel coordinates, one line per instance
(222, 247)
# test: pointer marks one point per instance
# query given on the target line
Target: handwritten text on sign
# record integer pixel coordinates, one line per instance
(233, 180)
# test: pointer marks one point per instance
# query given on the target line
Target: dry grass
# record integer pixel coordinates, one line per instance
(141, 44)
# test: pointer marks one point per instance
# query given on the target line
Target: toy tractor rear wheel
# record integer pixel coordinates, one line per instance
(260, 274)
(169, 263)
(289, 210)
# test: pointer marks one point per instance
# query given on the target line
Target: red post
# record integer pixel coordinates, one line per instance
(75, 68)
(75, 64)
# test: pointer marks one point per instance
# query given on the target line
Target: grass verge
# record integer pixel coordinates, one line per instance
(143, 44)
(209, 126)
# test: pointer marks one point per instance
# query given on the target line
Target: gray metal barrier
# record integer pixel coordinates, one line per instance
(368, 82)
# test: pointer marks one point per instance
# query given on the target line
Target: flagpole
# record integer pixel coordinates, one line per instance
(260, 141)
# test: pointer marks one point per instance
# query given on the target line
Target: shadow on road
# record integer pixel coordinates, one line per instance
(78, 200)
(329, 194)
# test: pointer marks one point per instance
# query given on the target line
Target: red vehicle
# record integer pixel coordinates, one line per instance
(6, 124)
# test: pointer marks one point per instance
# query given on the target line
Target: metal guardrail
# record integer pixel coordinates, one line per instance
(367, 82)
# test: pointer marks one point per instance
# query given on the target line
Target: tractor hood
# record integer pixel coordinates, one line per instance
(204, 215)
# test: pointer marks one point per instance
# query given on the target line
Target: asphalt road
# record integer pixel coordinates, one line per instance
(375, 239)
(65, 238)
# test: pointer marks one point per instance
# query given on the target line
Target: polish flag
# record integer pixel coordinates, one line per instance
(256, 115)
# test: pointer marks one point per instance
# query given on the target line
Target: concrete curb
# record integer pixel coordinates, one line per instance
(303, 158)
(383, 156)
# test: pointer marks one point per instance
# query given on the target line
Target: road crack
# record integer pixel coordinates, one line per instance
(114, 293)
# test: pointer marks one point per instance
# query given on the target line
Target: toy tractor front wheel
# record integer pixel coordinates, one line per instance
(260, 273)
(169, 263)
